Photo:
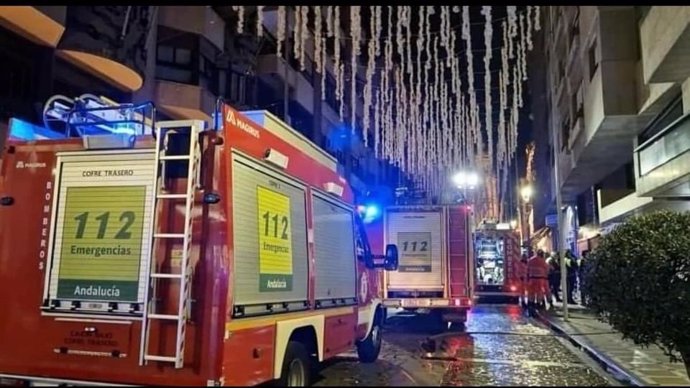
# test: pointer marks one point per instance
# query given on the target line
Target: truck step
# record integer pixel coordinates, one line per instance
(151, 357)
(175, 157)
(168, 235)
(168, 317)
(166, 275)
(172, 196)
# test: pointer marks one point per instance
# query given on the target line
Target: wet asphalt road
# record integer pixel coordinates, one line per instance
(500, 346)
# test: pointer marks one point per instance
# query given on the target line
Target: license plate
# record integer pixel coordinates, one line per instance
(95, 306)
(415, 302)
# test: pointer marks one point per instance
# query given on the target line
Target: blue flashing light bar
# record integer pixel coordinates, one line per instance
(23, 130)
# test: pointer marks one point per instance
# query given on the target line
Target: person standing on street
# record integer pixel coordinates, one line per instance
(571, 274)
(555, 275)
(581, 275)
(537, 275)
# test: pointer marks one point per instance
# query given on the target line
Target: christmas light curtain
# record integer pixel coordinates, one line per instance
(426, 104)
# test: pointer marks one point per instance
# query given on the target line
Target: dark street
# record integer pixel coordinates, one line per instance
(500, 347)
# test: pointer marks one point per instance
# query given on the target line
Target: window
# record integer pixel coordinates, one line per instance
(670, 114)
(175, 64)
(209, 75)
(593, 60)
(174, 55)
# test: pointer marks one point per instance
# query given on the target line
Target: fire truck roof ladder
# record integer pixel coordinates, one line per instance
(163, 131)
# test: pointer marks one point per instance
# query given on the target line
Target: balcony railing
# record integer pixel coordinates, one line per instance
(665, 145)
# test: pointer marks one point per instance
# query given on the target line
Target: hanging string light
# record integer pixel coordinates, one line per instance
(388, 60)
(296, 36)
(473, 115)
(260, 20)
(512, 29)
(240, 17)
(530, 44)
(304, 38)
(523, 47)
(329, 21)
(280, 38)
(537, 18)
(338, 69)
(318, 50)
(356, 35)
(371, 67)
(488, 35)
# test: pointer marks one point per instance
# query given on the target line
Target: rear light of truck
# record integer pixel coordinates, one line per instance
(459, 302)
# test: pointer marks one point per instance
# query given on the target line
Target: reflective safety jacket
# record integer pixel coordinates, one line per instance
(537, 268)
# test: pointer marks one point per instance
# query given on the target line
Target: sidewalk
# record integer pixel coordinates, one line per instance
(640, 366)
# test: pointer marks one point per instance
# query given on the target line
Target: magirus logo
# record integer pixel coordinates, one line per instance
(22, 164)
(241, 124)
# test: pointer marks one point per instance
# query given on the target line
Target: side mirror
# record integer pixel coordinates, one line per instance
(390, 263)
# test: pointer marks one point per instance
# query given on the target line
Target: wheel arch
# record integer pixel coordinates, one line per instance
(309, 331)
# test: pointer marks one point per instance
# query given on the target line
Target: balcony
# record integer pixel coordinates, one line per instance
(665, 44)
(662, 164)
(603, 141)
(42, 25)
(183, 101)
(617, 210)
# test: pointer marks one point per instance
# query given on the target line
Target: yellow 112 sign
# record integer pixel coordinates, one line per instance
(275, 241)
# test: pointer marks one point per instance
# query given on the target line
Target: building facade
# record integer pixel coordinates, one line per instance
(617, 96)
(181, 58)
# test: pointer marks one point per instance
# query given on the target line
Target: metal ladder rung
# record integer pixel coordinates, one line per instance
(166, 275)
(169, 235)
(172, 196)
(168, 317)
(151, 357)
(175, 157)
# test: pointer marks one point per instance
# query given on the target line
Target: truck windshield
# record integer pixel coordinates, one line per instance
(490, 260)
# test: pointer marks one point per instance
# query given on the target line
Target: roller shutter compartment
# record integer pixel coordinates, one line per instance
(334, 248)
(270, 240)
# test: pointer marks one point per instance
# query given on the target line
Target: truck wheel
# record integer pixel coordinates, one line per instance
(368, 350)
(296, 366)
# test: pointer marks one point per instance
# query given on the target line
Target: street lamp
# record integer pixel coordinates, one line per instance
(526, 192)
(464, 180)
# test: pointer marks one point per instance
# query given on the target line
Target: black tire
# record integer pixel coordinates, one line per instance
(368, 349)
(296, 370)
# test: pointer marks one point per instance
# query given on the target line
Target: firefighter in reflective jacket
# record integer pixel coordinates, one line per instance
(537, 278)
(521, 272)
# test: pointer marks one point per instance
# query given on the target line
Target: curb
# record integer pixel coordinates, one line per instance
(619, 373)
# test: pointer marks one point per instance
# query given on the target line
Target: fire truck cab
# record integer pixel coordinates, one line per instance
(139, 252)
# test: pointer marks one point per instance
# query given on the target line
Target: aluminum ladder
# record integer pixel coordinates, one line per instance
(163, 132)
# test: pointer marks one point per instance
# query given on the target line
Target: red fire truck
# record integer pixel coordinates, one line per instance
(184, 256)
(434, 271)
(497, 254)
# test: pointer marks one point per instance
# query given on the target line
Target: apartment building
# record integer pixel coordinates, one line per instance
(183, 60)
(617, 98)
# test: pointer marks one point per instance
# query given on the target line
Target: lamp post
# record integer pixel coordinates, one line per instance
(526, 192)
